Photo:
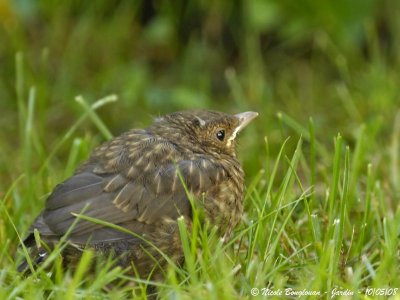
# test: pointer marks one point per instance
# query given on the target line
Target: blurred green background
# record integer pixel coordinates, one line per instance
(311, 68)
(334, 61)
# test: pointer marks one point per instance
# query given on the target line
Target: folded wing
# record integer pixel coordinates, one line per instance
(134, 182)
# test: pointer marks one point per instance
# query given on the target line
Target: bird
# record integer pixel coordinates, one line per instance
(142, 181)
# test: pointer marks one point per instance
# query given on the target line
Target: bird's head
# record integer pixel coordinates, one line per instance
(209, 131)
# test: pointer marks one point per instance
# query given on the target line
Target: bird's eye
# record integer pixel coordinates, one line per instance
(221, 135)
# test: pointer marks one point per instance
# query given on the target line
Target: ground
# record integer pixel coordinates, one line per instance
(322, 160)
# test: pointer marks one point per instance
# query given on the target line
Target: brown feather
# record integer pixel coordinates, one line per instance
(134, 181)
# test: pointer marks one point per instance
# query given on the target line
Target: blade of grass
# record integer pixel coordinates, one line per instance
(268, 193)
(28, 145)
(189, 257)
(366, 220)
(96, 105)
(83, 266)
(313, 163)
(94, 117)
(4, 209)
(72, 158)
(334, 187)
(19, 82)
(283, 188)
(394, 153)
(302, 131)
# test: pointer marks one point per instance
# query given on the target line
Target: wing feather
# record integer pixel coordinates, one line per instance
(132, 191)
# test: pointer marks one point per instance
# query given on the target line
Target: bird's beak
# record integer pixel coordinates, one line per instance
(244, 119)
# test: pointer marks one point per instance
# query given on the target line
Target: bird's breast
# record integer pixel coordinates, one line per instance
(224, 201)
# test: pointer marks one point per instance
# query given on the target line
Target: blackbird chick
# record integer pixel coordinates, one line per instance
(139, 181)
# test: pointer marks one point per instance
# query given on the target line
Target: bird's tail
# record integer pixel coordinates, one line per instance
(37, 258)
(37, 255)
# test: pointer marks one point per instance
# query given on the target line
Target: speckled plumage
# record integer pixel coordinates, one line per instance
(134, 181)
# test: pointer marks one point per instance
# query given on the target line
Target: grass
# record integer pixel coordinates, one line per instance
(322, 160)
(340, 233)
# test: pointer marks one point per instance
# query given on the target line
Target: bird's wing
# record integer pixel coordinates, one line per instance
(133, 182)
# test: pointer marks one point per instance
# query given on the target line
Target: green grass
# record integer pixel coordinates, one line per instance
(340, 232)
(322, 160)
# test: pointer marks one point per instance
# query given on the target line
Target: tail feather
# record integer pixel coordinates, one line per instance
(38, 256)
